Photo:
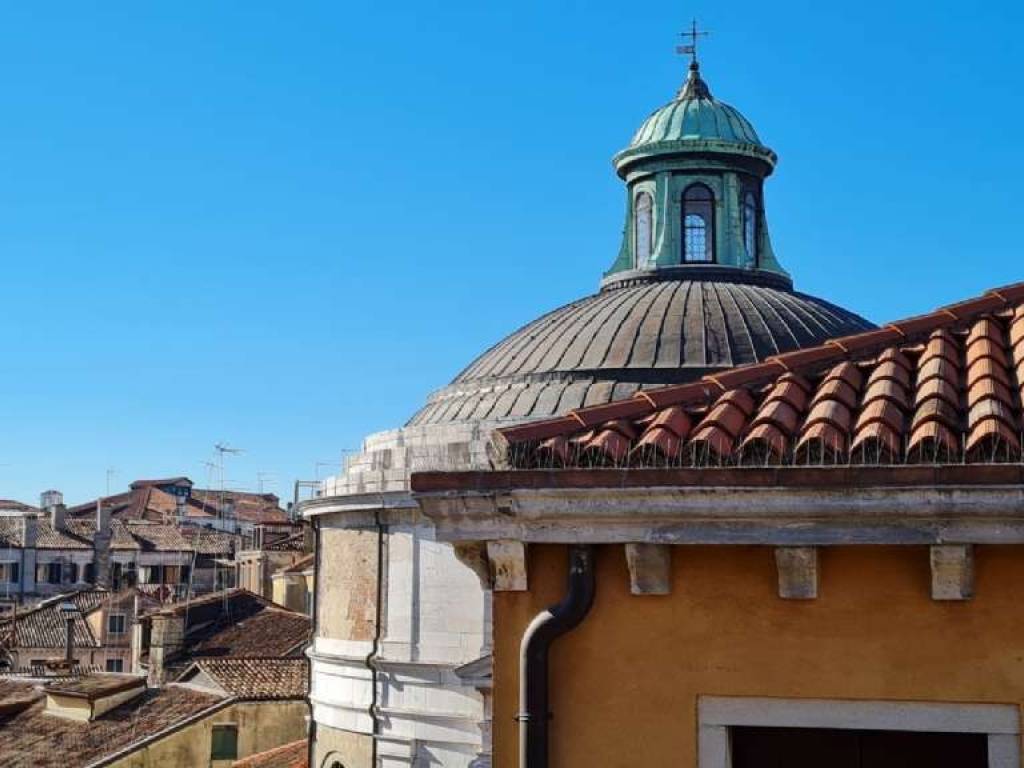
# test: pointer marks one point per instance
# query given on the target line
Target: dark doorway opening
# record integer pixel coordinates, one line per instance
(819, 747)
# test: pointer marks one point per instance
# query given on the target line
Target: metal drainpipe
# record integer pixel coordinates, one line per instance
(315, 523)
(545, 628)
(372, 656)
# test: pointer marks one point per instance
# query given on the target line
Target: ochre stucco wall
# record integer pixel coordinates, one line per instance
(262, 725)
(624, 684)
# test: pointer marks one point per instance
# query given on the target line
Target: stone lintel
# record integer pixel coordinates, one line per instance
(798, 572)
(650, 567)
(952, 568)
(508, 565)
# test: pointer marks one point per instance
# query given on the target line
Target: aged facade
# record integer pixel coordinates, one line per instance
(402, 649)
(814, 560)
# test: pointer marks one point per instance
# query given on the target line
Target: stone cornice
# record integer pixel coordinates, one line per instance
(780, 516)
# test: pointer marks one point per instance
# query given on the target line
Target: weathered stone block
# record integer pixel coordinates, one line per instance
(952, 572)
(650, 567)
(508, 565)
(798, 572)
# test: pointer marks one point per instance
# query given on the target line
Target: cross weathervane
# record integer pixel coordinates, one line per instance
(693, 34)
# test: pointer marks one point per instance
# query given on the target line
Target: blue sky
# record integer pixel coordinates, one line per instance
(281, 225)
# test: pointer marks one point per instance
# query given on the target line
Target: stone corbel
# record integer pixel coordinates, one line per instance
(798, 572)
(507, 565)
(650, 568)
(473, 555)
(952, 567)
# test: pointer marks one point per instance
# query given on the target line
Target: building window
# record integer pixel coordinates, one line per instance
(116, 624)
(224, 742)
(115, 665)
(9, 573)
(642, 230)
(698, 224)
(750, 226)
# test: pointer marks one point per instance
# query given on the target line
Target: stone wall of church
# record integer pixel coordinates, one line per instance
(347, 586)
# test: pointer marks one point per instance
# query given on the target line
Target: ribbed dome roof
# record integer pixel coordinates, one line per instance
(695, 114)
(689, 119)
(666, 330)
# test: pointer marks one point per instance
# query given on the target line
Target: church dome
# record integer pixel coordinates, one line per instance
(669, 329)
(694, 115)
(696, 287)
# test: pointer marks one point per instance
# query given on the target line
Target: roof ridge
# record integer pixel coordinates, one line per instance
(852, 347)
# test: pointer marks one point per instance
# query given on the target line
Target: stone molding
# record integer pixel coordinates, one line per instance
(793, 517)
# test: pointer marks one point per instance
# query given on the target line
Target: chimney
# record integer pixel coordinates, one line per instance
(29, 531)
(167, 633)
(101, 545)
(53, 503)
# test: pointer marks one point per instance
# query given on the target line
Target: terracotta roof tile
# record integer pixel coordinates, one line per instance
(941, 387)
(31, 738)
(256, 678)
(293, 755)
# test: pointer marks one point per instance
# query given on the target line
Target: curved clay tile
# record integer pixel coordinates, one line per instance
(740, 398)
(942, 344)
(985, 328)
(937, 368)
(829, 411)
(888, 389)
(780, 413)
(1017, 328)
(609, 442)
(890, 370)
(665, 433)
(880, 411)
(726, 416)
(821, 442)
(941, 389)
(875, 442)
(986, 348)
(993, 440)
(988, 389)
(835, 390)
(936, 410)
(932, 441)
(766, 442)
(992, 409)
(789, 391)
(710, 444)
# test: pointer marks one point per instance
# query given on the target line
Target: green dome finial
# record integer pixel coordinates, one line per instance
(694, 87)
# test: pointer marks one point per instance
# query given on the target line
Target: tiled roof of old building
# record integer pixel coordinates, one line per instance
(258, 677)
(207, 541)
(145, 501)
(120, 537)
(158, 537)
(31, 738)
(940, 388)
(293, 755)
(45, 627)
(236, 623)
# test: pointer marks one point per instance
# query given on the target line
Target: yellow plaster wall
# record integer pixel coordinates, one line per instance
(624, 684)
(261, 726)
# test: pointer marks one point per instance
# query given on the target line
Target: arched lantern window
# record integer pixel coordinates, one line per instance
(750, 226)
(698, 224)
(642, 229)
